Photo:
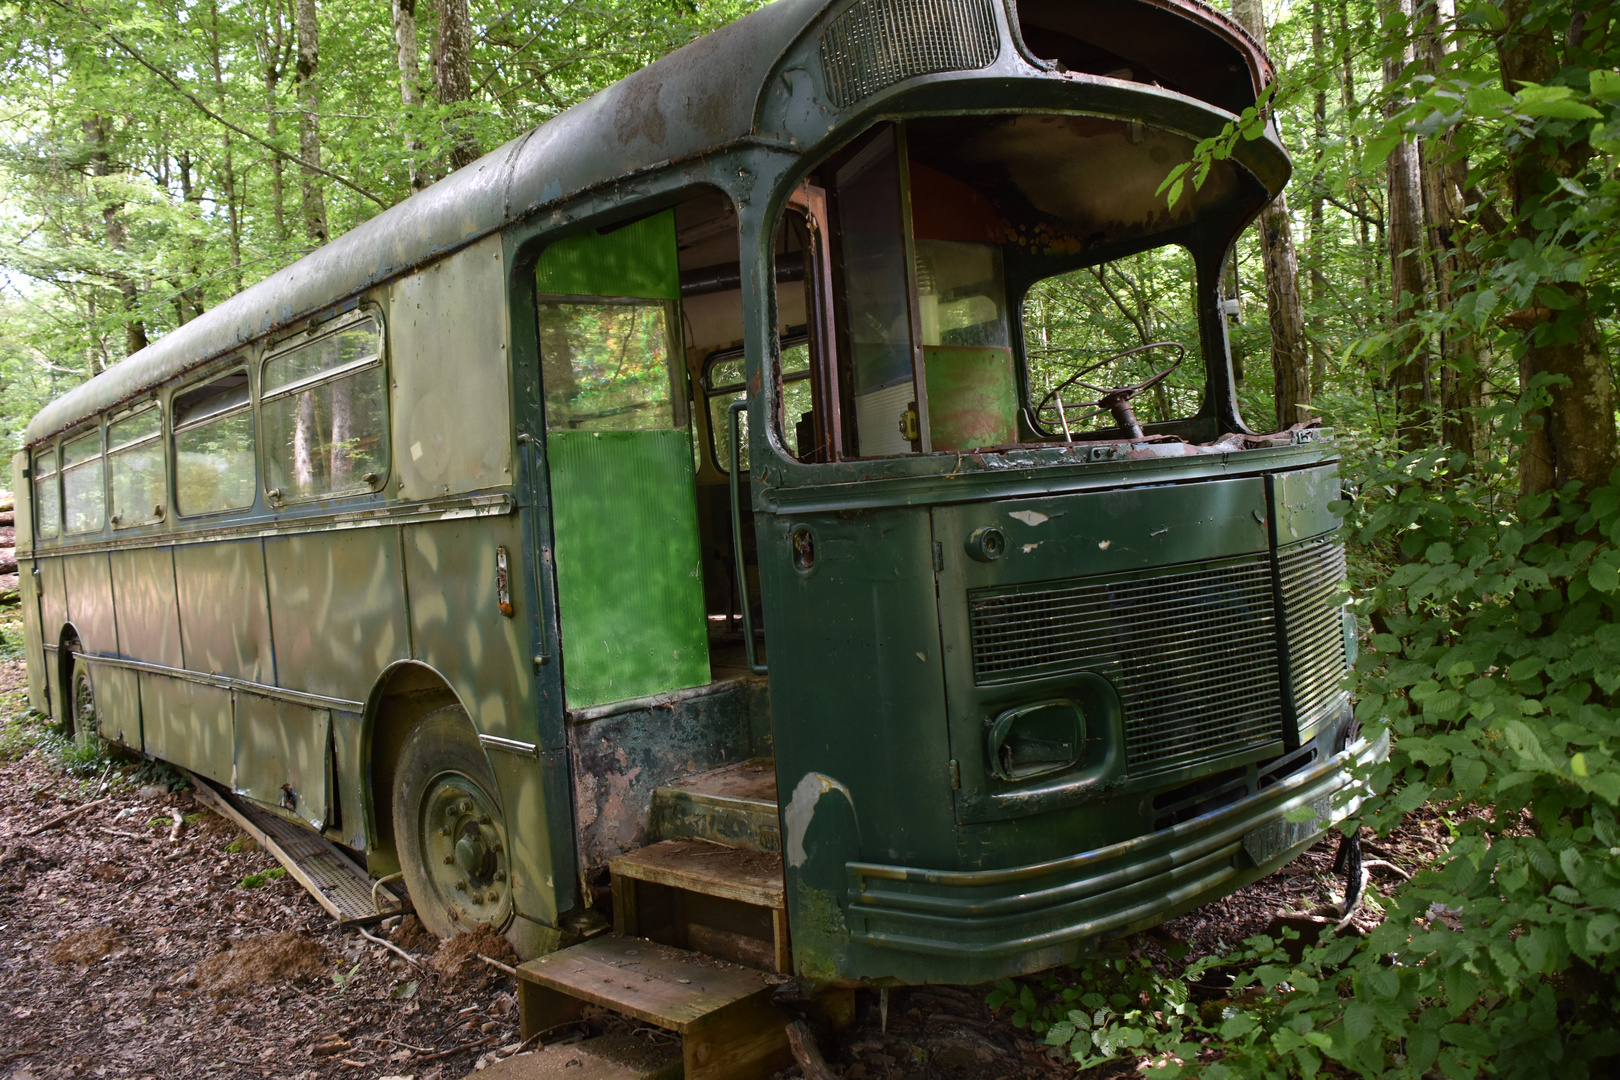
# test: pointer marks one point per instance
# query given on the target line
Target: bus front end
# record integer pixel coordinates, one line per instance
(1056, 640)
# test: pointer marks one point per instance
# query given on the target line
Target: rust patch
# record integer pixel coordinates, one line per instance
(638, 113)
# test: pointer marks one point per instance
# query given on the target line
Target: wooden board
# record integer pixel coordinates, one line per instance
(751, 877)
(665, 987)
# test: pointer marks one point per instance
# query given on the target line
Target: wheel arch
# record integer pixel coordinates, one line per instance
(405, 693)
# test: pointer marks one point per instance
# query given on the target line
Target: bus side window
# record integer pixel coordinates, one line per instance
(606, 365)
(723, 384)
(135, 456)
(84, 483)
(47, 497)
(213, 446)
(324, 422)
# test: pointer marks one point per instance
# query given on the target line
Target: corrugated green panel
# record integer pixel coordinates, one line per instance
(629, 575)
(637, 260)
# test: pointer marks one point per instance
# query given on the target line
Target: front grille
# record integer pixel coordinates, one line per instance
(1310, 574)
(877, 43)
(1192, 652)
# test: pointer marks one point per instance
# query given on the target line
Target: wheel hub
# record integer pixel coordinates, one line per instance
(465, 853)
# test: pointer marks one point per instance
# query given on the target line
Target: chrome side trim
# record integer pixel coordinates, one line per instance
(472, 506)
(511, 746)
(226, 682)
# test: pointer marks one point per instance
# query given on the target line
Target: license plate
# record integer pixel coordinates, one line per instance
(1275, 837)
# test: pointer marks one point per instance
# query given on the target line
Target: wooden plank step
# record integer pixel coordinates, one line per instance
(722, 1011)
(734, 805)
(608, 1057)
(337, 882)
(749, 877)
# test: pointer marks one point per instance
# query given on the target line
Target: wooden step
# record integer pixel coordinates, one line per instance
(721, 1011)
(734, 805)
(722, 901)
(337, 882)
(609, 1057)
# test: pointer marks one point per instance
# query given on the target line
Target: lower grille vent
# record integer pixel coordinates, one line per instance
(1193, 653)
(877, 43)
(1310, 574)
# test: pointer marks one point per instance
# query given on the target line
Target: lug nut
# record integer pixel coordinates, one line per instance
(449, 860)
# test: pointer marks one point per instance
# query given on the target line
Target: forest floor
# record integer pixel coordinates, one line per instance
(129, 951)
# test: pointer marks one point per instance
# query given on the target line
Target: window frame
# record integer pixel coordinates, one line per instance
(674, 338)
(173, 428)
(799, 335)
(316, 331)
(97, 429)
(54, 450)
(111, 452)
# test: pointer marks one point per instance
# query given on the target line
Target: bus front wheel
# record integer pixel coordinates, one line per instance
(448, 828)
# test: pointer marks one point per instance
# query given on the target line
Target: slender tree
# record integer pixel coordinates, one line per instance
(410, 83)
(452, 77)
(1290, 361)
(309, 130)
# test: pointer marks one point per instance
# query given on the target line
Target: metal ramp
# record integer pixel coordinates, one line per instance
(337, 882)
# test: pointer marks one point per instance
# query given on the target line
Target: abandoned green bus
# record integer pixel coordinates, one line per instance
(689, 517)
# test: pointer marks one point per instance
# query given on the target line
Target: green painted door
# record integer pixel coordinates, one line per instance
(619, 451)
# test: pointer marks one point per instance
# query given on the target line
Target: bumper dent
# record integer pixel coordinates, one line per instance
(1138, 882)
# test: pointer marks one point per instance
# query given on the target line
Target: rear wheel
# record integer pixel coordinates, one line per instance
(85, 727)
(448, 827)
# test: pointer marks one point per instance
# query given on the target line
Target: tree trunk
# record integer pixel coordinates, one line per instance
(309, 131)
(303, 443)
(1574, 438)
(452, 76)
(1408, 285)
(1290, 364)
(98, 132)
(188, 300)
(410, 81)
(1319, 285)
(274, 44)
(227, 164)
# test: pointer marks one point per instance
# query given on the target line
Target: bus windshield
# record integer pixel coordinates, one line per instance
(1007, 280)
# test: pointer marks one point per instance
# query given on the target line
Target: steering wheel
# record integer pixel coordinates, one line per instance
(1114, 400)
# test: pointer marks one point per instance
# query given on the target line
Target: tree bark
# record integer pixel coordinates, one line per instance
(1317, 247)
(1573, 439)
(410, 81)
(274, 46)
(309, 130)
(98, 133)
(452, 76)
(227, 163)
(1290, 363)
(1409, 286)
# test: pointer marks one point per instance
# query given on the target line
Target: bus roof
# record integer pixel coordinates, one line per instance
(699, 99)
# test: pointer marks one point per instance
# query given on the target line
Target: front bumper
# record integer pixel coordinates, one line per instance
(1043, 910)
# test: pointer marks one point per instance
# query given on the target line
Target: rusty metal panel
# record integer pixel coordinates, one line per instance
(452, 397)
(281, 756)
(90, 601)
(23, 505)
(534, 799)
(52, 617)
(350, 793)
(146, 607)
(188, 724)
(460, 632)
(337, 606)
(118, 704)
(224, 613)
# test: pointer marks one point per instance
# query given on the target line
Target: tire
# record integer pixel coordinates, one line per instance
(82, 720)
(448, 828)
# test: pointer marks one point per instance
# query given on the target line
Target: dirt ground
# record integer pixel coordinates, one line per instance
(126, 951)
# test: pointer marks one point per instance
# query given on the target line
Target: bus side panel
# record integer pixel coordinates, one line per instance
(90, 601)
(191, 726)
(52, 618)
(27, 591)
(146, 607)
(337, 606)
(224, 613)
(452, 411)
(281, 756)
(460, 632)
